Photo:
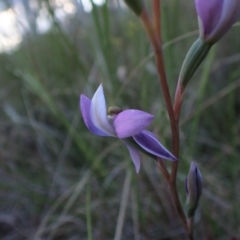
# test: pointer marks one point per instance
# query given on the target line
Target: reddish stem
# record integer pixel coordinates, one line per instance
(177, 109)
(162, 75)
(163, 169)
(178, 103)
(174, 124)
(156, 7)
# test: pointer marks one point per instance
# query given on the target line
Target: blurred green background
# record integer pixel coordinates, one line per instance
(58, 180)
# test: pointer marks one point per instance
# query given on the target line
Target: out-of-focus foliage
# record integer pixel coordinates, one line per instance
(59, 181)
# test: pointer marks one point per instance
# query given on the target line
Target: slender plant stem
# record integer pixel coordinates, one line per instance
(174, 124)
(156, 8)
(178, 103)
(162, 75)
(88, 213)
(177, 109)
(190, 228)
(163, 169)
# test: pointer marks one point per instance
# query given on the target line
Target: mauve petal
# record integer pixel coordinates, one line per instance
(209, 12)
(198, 178)
(149, 143)
(85, 104)
(194, 183)
(98, 113)
(135, 157)
(131, 122)
(230, 14)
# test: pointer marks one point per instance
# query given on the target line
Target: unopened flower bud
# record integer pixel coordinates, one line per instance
(135, 5)
(193, 187)
(216, 17)
(193, 59)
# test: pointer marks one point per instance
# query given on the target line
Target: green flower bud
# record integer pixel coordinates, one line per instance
(193, 59)
(135, 5)
(193, 187)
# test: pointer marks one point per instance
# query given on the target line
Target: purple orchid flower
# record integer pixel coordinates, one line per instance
(216, 17)
(128, 125)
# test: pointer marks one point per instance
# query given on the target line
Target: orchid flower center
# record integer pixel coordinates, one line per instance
(114, 110)
(112, 113)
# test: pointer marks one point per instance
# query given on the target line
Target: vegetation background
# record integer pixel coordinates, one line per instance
(57, 179)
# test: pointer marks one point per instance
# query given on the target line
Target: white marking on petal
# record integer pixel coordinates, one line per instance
(98, 112)
(85, 104)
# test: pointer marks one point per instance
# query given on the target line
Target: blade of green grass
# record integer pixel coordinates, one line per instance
(88, 212)
(123, 205)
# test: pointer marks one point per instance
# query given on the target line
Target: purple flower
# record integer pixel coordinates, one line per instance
(193, 187)
(216, 17)
(128, 125)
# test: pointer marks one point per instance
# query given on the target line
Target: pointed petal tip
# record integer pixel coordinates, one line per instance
(137, 167)
(149, 143)
(174, 158)
(100, 86)
(82, 97)
(193, 165)
(135, 156)
(170, 158)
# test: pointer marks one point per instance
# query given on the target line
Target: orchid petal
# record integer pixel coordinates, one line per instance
(209, 12)
(98, 113)
(197, 178)
(216, 17)
(85, 104)
(134, 153)
(149, 143)
(230, 14)
(131, 122)
(194, 189)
